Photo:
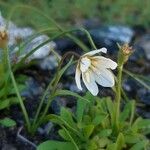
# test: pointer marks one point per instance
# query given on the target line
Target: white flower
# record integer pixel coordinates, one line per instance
(95, 70)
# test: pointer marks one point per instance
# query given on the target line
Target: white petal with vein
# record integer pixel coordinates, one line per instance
(89, 81)
(105, 78)
(91, 53)
(78, 77)
(105, 62)
(85, 64)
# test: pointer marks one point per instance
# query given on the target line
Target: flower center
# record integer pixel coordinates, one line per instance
(85, 63)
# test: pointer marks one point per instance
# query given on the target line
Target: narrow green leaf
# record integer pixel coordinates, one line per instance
(60, 121)
(56, 145)
(112, 147)
(105, 133)
(134, 127)
(103, 142)
(67, 116)
(125, 114)
(61, 72)
(132, 139)
(63, 134)
(71, 138)
(98, 119)
(81, 105)
(144, 123)
(110, 107)
(140, 145)
(120, 143)
(7, 122)
(4, 104)
(69, 93)
(87, 130)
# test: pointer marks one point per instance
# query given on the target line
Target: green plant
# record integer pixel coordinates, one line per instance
(66, 11)
(7, 93)
(41, 112)
(102, 123)
(97, 123)
(92, 127)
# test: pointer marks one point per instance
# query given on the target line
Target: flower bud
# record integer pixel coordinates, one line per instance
(126, 49)
(3, 37)
(125, 52)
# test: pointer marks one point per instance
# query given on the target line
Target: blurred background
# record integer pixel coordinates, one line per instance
(67, 12)
(30, 23)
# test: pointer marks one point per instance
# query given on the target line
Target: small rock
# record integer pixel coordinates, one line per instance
(17, 35)
(33, 89)
(144, 43)
(8, 147)
(138, 54)
(49, 63)
(2, 137)
(144, 96)
(131, 87)
(46, 129)
(108, 36)
(43, 51)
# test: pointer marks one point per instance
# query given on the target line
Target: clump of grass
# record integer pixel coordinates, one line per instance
(99, 123)
(67, 12)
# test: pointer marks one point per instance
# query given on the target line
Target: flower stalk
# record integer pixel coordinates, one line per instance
(17, 93)
(52, 86)
(124, 52)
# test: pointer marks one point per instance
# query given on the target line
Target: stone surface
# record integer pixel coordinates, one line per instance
(18, 35)
(103, 36)
(33, 89)
(49, 63)
(131, 86)
(144, 96)
(8, 147)
(144, 43)
(110, 34)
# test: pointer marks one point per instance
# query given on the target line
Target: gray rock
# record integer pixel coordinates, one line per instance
(17, 34)
(106, 36)
(144, 96)
(33, 89)
(144, 43)
(46, 129)
(2, 137)
(8, 147)
(42, 52)
(49, 63)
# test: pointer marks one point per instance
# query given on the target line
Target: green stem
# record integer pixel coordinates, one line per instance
(5, 70)
(118, 92)
(36, 123)
(17, 93)
(41, 104)
(54, 83)
(90, 38)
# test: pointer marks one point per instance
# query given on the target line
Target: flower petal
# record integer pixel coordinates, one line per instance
(78, 77)
(105, 78)
(105, 62)
(89, 81)
(85, 64)
(91, 53)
